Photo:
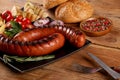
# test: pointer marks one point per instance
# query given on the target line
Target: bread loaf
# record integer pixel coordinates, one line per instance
(74, 11)
(52, 3)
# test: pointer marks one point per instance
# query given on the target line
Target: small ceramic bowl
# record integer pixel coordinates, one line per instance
(96, 26)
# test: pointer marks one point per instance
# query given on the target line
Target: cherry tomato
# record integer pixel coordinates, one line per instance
(26, 21)
(19, 18)
(23, 26)
(23, 21)
(7, 16)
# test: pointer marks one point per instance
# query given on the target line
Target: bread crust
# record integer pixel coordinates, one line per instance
(52, 3)
(74, 11)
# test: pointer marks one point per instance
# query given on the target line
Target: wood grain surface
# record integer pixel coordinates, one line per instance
(106, 47)
(111, 10)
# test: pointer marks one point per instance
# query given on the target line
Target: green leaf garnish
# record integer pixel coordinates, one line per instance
(16, 28)
(8, 58)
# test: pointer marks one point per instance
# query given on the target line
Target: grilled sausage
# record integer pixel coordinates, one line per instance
(32, 48)
(35, 42)
(33, 34)
(73, 35)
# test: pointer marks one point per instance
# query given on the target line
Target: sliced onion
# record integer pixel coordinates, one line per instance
(41, 22)
(57, 22)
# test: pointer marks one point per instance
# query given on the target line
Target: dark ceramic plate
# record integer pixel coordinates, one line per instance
(66, 50)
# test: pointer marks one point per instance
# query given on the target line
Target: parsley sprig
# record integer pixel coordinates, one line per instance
(16, 28)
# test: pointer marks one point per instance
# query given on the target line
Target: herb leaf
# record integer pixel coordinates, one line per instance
(8, 58)
(16, 28)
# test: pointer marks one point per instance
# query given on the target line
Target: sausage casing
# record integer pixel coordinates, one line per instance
(32, 48)
(73, 35)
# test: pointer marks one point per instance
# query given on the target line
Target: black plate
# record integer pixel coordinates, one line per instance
(64, 51)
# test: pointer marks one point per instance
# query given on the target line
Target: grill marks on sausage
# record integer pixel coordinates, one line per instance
(32, 48)
(33, 34)
(74, 36)
(41, 41)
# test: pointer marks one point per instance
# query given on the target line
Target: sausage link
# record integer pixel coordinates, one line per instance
(32, 48)
(33, 34)
(73, 35)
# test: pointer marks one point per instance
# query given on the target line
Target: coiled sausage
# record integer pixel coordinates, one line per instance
(32, 48)
(73, 35)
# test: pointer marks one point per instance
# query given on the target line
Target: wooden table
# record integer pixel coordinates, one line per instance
(106, 48)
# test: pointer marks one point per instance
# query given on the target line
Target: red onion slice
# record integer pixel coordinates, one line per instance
(57, 22)
(41, 22)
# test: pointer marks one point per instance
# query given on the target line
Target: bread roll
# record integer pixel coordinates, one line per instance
(74, 11)
(52, 3)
